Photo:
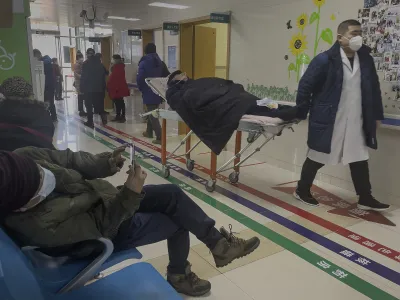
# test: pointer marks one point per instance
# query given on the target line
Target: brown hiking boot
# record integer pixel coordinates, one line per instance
(188, 283)
(231, 247)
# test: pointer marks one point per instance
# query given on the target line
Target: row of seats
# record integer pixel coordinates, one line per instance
(39, 274)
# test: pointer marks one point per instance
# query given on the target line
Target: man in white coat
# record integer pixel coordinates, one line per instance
(341, 91)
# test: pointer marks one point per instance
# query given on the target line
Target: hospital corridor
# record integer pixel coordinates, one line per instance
(228, 149)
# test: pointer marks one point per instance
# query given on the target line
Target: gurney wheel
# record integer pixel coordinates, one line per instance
(210, 186)
(190, 164)
(234, 177)
(165, 172)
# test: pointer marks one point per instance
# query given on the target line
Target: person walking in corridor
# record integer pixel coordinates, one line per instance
(342, 92)
(92, 85)
(118, 88)
(151, 66)
(49, 82)
(77, 83)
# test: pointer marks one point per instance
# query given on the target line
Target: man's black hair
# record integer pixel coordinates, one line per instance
(37, 52)
(150, 48)
(344, 26)
(117, 56)
(79, 55)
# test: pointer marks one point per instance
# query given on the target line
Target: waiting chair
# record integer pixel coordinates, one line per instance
(19, 280)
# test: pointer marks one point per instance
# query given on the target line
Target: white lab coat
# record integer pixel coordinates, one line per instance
(348, 139)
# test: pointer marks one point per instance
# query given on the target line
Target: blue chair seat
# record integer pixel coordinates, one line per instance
(56, 272)
(139, 281)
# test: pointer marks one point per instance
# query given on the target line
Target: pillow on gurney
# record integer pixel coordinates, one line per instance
(262, 120)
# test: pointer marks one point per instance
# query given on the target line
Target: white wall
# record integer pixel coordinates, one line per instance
(259, 42)
(159, 41)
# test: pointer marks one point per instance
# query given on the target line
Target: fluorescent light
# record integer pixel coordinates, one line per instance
(123, 18)
(168, 5)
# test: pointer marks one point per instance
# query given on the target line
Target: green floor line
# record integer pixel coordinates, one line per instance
(325, 265)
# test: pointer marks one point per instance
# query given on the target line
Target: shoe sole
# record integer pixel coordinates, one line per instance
(245, 254)
(367, 208)
(199, 294)
(299, 198)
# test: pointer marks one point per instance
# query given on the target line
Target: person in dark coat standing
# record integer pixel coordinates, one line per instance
(23, 121)
(92, 85)
(49, 85)
(58, 79)
(77, 83)
(341, 91)
(151, 66)
(118, 88)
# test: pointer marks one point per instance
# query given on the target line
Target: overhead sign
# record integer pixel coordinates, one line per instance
(171, 26)
(220, 18)
(95, 40)
(135, 32)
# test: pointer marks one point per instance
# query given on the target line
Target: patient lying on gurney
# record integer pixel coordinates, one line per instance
(213, 107)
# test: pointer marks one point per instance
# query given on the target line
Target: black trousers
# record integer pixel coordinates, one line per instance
(119, 106)
(359, 174)
(58, 88)
(80, 103)
(153, 124)
(49, 98)
(167, 213)
(94, 101)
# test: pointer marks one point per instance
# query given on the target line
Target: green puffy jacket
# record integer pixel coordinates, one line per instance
(82, 207)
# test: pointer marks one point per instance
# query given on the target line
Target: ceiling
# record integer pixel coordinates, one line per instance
(66, 12)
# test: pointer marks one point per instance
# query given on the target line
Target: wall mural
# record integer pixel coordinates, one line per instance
(272, 92)
(299, 44)
(7, 60)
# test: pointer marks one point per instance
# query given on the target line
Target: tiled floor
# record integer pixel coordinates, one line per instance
(300, 256)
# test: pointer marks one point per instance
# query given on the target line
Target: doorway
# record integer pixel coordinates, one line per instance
(204, 50)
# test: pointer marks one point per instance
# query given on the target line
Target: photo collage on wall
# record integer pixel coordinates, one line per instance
(380, 21)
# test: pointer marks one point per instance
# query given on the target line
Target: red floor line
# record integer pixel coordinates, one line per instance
(352, 236)
(204, 153)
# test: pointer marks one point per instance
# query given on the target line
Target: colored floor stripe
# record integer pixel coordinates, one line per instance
(325, 265)
(348, 254)
(352, 236)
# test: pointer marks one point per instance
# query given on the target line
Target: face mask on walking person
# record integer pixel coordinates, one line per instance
(355, 43)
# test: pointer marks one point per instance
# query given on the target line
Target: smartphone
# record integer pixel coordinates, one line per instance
(132, 156)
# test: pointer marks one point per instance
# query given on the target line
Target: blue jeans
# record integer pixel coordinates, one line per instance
(167, 213)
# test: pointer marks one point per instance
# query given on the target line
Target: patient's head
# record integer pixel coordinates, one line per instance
(23, 183)
(16, 88)
(177, 76)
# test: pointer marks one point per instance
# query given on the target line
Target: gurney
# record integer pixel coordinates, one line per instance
(256, 126)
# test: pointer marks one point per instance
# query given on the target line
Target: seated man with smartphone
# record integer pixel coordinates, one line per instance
(53, 198)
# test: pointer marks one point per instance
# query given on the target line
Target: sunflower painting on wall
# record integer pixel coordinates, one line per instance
(298, 43)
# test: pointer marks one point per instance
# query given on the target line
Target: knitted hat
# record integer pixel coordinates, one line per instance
(173, 74)
(19, 181)
(16, 88)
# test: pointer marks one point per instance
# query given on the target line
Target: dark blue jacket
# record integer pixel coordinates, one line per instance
(150, 66)
(320, 91)
(49, 80)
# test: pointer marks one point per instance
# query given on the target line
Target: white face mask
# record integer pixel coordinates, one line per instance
(355, 43)
(48, 186)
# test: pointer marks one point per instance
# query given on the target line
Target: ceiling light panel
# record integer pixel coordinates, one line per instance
(168, 5)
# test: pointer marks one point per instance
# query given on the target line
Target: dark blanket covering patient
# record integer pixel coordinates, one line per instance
(213, 107)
